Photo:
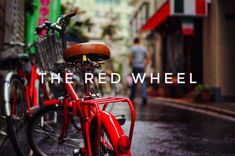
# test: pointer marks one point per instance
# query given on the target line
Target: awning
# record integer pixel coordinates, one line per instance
(159, 17)
(179, 8)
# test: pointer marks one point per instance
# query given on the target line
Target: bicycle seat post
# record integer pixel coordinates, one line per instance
(84, 70)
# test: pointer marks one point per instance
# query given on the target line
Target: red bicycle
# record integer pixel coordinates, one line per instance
(20, 97)
(80, 125)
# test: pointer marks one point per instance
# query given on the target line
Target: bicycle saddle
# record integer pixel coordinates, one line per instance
(94, 51)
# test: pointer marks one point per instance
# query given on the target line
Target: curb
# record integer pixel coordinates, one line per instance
(201, 108)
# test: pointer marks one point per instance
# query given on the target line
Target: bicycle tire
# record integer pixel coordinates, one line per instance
(105, 134)
(32, 138)
(16, 122)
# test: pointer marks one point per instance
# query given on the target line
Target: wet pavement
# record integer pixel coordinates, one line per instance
(164, 130)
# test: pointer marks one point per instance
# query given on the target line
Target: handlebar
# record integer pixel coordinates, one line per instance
(40, 28)
(59, 25)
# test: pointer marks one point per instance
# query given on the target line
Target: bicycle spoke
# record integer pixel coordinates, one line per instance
(45, 131)
(70, 145)
(48, 134)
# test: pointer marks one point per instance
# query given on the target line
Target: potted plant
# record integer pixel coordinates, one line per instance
(202, 93)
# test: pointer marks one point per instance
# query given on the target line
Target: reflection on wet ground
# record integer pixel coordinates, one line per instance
(163, 130)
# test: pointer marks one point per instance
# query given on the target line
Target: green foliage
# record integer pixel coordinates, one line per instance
(76, 31)
(63, 9)
(88, 23)
(109, 30)
(201, 88)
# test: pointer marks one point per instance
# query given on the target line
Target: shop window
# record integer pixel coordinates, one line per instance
(179, 6)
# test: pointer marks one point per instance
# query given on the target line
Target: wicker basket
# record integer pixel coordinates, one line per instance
(48, 51)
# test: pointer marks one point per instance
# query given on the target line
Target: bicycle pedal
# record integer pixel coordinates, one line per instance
(121, 119)
(77, 152)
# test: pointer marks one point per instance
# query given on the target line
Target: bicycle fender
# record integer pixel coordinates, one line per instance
(6, 96)
(114, 129)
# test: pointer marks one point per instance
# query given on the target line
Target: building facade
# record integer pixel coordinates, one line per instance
(191, 36)
(2, 18)
(12, 25)
(219, 56)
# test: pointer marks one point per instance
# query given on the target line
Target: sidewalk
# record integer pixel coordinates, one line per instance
(220, 110)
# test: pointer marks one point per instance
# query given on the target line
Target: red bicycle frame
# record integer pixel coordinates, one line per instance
(89, 109)
(32, 88)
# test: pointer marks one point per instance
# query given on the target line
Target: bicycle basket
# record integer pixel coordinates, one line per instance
(49, 50)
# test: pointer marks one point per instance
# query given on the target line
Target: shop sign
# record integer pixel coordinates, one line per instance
(188, 7)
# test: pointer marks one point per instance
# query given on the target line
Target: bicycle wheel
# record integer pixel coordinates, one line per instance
(44, 130)
(3, 131)
(105, 150)
(16, 123)
(106, 146)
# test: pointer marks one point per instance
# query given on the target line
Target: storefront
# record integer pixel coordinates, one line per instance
(178, 25)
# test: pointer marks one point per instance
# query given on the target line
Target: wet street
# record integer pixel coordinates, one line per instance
(164, 130)
(66, 53)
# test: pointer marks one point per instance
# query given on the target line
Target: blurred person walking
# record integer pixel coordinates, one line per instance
(138, 60)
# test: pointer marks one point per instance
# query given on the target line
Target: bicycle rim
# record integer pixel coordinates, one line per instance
(106, 147)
